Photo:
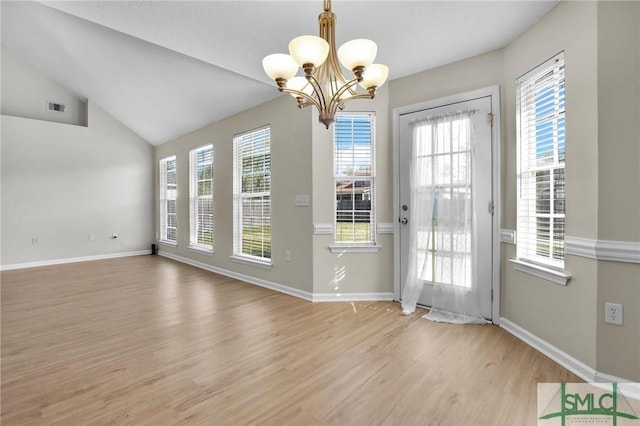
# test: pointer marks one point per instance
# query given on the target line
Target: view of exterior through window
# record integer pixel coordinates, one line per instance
(168, 197)
(252, 194)
(201, 198)
(353, 165)
(541, 164)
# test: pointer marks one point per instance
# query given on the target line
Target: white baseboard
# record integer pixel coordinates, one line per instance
(629, 389)
(242, 277)
(577, 367)
(352, 297)
(311, 297)
(72, 260)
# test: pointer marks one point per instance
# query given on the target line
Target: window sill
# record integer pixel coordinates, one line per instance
(263, 264)
(201, 250)
(556, 277)
(168, 243)
(354, 248)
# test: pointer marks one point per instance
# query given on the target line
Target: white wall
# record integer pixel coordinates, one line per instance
(26, 91)
(62, 182)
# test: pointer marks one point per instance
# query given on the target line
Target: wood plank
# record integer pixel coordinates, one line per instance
(146, 340)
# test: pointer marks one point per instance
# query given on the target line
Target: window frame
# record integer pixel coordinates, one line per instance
(240, 197)
(167, 195)
(533, 117)
(370, 244)
(195, 199)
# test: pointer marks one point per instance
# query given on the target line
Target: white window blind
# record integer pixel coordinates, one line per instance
(541, 164)
(168, 197)
(252, 194)
(353, 160)
(201, 198)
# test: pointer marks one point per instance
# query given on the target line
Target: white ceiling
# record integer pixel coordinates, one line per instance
(166, 68)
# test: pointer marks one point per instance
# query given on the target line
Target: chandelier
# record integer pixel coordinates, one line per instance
(323, 84)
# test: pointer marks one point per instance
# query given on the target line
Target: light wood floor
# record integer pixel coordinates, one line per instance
(145, 340)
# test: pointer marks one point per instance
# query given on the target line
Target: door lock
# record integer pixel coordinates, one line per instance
(404, 221)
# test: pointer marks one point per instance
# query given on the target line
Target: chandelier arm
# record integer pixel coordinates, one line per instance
(299, 94)
(302, 104)
(370, 95)
(335, 102)
(320, 102)
(359, 96)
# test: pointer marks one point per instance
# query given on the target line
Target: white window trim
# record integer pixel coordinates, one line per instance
(238, 195)
(200, 250)
(192, 183)
(164, 199)
(547, 269)
(553, 275)
(351, 246)
(354, 248)
(257, 262)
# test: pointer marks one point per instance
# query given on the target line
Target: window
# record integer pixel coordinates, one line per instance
(168, 197)
(252, 195)
(541, 164)
(353, 172)
(201, 198)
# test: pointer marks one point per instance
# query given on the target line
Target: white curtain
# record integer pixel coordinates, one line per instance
(442, 246)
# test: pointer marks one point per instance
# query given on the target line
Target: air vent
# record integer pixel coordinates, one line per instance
(55, 107)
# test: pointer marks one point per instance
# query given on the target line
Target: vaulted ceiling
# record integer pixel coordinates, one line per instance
(166, 68)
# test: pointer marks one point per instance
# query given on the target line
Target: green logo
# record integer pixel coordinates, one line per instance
(589, 405)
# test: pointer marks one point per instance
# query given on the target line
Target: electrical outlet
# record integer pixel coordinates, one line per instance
(613, 313)
(287, 256)
(91, 237)
(114, 235)
(34, 241)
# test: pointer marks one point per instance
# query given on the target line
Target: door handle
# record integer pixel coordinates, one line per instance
(404, 221)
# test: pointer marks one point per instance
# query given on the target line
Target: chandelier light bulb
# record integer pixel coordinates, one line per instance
(357, 53)
(308, 49)
(279, 65)
(374, 76)
(299, 84)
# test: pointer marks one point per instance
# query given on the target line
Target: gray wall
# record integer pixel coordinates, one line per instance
(563, 316)
(354, 272)
(601, 42)
(62, 182)
(619, 181)
(291, 165)
(302, 163)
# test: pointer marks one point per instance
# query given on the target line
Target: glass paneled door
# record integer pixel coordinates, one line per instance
(455, 243)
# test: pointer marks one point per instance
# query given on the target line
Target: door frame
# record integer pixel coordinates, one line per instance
(494, 93)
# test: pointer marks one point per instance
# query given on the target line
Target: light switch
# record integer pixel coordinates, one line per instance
(508, 236)
(302, 200)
